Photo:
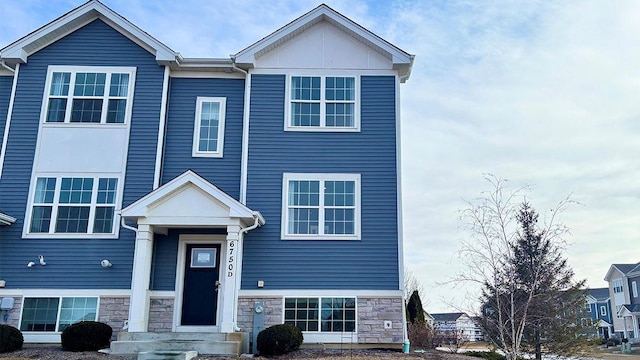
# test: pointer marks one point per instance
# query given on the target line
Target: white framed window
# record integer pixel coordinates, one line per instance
(208, 136)
(54, 314)
(634, 289)
(320, 314)
(603, 310)
(73, 206)
(323, 103)
(88, 95)
(617, 285)
(321, 206)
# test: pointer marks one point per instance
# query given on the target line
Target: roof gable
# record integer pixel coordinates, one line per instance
(599, 294)
(19, 50)
(623, 269)
(400, 60)
(447, 316)
(201, 204)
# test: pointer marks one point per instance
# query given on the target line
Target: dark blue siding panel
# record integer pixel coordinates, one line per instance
(370, 263)
(75, 263)
(6, 83)
(223, 172)
(165, 255)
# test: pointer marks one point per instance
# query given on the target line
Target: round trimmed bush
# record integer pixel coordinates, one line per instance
(10, 339)
(279, 339)
(86, 336)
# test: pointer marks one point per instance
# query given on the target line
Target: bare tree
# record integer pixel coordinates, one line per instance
(487, 257)
(411, 284)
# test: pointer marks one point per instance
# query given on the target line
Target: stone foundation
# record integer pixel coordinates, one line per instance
(161, 314)
(372, 314)
(114, 311)
(14, 314)
(371, 317)
(272, 312)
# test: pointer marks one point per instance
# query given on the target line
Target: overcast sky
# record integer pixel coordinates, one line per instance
(543, 93)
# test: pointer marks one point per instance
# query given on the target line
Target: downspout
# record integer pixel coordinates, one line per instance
(258, 221)
(244, 162)
(124, 225)
(4, 65)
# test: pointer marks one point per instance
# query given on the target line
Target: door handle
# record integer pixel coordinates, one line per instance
(217, 285)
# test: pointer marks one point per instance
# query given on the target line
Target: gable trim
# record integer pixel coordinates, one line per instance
(141, 207)
(402, 61)
(19, 50)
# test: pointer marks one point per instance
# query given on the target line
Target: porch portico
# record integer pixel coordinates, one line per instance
(191, 202)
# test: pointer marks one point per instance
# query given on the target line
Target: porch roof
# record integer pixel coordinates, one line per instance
(189, 200)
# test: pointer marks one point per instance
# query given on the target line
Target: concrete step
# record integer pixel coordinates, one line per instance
(205, 347)
(206, 343)
(149, 336)
(167, 355)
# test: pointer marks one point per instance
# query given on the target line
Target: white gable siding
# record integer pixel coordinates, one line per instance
(323, 46)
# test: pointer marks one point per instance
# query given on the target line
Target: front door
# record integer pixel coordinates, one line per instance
(201, 283)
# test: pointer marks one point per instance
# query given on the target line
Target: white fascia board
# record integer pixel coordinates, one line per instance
(398, 56)
(88, 12)
(612, 268)
(591, 299)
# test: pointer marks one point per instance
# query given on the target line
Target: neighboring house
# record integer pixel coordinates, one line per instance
(459, 323)
(624, 280)
(159, 193)
(599, 309)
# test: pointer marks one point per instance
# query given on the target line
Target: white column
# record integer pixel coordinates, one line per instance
(230, 267)
(139, 302)
(635, 327)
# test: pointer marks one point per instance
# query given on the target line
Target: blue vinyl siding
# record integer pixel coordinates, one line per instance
(223, 172)
(165, 255)
(75, 263)
(370, 263)
(6, 83)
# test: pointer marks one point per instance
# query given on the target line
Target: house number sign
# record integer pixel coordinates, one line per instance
(232, 249)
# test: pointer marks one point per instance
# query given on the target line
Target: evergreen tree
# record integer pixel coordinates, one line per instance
(415, 312)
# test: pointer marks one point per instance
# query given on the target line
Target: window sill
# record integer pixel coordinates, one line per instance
(321, 129)
(69, 236)
(321, 237)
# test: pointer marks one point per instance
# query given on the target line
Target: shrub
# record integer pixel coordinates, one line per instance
(420, 335)
(10, 339)
(279, 339)
(488, 355)
(86, 336)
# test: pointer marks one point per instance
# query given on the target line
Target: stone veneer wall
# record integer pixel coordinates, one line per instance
(14, 314)
(114, 311)
(273, 308)
(161, 314)
(372, 313)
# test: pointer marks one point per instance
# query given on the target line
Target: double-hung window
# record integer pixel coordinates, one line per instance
(603, 310)
(74, 205)
(617, 286)
(323, 103)
(94, 95)
(54, 314)
(321, 206)
(321, 314)
(208, 137)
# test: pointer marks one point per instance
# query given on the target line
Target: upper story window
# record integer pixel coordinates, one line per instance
(634, 289)
(617, 285)
(95, 95)
(321, 206)
(208, 137)
(323, 103)
(73, 205)
(603, 310)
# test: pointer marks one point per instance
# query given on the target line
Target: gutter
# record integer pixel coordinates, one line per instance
(4, 65)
